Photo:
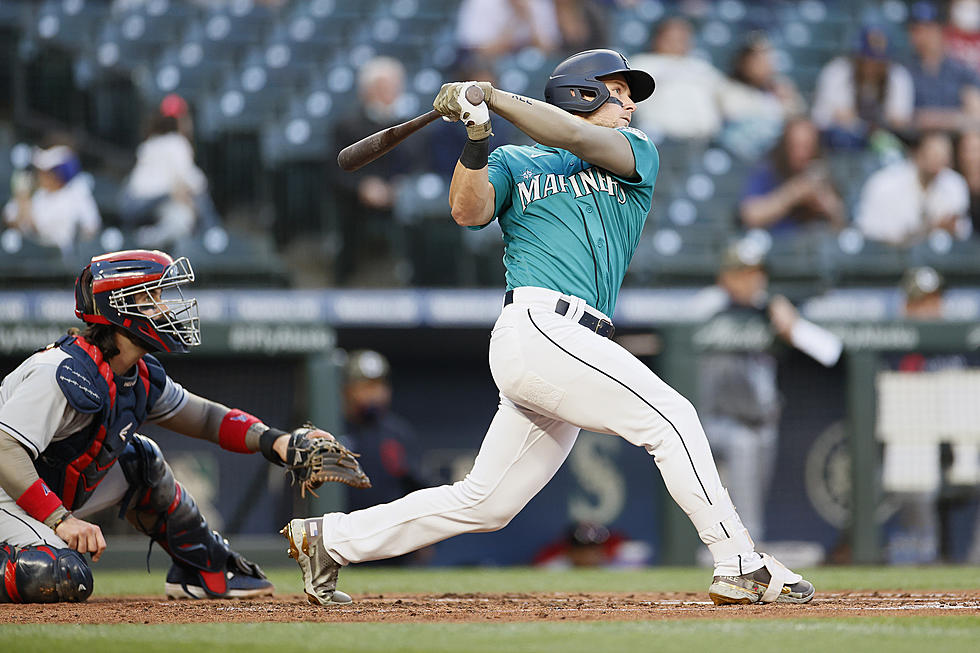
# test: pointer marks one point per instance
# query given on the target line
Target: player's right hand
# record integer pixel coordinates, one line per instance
(82, 536)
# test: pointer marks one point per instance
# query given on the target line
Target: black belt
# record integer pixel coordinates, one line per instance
(602, 327)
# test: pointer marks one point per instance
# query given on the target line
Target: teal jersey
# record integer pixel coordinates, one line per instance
(568, 225)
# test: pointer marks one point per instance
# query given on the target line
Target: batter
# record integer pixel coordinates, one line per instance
(571, 209)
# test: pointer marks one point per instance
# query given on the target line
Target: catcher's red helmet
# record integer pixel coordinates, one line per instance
(139, 291)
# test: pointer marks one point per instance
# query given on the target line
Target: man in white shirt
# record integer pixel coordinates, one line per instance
(905, 201)
(62, 211)
(687, 104)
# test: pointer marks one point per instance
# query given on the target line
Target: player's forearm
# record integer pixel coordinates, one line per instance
(17, 471)
(18, 476)
(470, 196)
(231, 429)
(554, 127)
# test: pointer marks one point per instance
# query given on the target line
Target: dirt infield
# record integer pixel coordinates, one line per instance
(485, 607)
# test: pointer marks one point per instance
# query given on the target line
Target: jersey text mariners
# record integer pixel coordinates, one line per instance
(552, 205)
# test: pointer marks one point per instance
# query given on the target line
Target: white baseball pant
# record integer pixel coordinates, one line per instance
(555, 377)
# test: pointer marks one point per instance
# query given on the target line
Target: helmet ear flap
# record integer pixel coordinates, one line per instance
(84, 299)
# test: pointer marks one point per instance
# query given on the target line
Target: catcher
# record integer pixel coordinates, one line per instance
(70, 412)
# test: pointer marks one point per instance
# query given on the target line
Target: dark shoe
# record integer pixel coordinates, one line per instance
(320, 572)
(239, 581)
(754, 586)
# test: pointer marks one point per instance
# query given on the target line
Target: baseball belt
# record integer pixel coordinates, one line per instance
(598, 325)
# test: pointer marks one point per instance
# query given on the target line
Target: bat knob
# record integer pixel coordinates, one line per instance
(474, 95)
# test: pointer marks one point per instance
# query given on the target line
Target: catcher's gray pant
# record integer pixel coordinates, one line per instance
(20, 529)
(555, 377)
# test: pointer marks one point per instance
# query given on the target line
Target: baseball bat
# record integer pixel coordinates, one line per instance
(380, 143)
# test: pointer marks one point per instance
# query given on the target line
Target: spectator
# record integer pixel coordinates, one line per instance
(686, 104)
(386, 442)
(962, 33)
(583, 24)
(369, 254)
(166, 195)
(495, 28)
(947, 93)
(739, 392)
(61, 210)
(792, 188)
(968, 165)
(866, 91)
(756, 101)
(905, 201)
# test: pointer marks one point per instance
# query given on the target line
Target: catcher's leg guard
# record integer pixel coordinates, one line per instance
(157, 505)
(43, 574)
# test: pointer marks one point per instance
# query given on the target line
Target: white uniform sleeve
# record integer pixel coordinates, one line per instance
(172, 400)
(834, 92)
(34, 407)
(900, 100)
(816, 342)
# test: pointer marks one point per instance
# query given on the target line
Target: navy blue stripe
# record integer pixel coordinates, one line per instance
(21, 438)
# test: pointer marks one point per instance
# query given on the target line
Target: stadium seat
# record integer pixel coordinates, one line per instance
(233, 259)
(853, 260)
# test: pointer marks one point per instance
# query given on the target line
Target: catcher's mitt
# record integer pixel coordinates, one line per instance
(312, 460)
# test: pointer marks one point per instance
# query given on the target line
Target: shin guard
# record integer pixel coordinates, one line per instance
(158, 506)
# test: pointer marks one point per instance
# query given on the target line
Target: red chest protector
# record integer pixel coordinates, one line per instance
(74, 467)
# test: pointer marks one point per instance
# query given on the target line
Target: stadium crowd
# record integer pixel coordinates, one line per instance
(819, 125)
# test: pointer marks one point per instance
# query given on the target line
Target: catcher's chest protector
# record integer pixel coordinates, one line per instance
(74, 467)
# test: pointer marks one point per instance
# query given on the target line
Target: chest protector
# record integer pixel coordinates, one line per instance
(75, 466)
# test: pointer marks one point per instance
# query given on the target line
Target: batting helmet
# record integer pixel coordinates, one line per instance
(139, 291)
(579, 74)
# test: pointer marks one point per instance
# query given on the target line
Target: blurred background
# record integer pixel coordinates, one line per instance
(837, 142)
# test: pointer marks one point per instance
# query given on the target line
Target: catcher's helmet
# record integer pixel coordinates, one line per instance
(138, 290)
(581, 72)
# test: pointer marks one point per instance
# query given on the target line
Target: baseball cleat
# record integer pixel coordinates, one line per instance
(320, 572)
(771, 583)
(186, 583)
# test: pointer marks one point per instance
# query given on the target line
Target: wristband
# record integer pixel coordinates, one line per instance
(39, 501)
(234, 426)
(475, 154)
(266, 440)
(68, 515)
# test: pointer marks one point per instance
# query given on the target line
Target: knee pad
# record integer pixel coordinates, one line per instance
(43, 574)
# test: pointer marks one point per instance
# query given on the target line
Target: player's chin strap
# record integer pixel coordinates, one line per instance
(780, 576)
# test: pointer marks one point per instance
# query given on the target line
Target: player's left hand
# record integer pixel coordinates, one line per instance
(451, 102)
(314, 457)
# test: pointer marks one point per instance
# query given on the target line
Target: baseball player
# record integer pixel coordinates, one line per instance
(71, 411)
(571, 209)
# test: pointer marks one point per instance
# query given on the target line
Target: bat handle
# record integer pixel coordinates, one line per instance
(474, 95)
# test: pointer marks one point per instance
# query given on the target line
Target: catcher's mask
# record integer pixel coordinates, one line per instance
(574, 85)
(139, 291)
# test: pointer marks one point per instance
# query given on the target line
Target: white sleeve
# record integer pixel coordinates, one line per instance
(184, 167)
(832, 93)
(872, 214)
(35, 408)
(900, 100)
(172, 400)
(89, 219)
(816, 342)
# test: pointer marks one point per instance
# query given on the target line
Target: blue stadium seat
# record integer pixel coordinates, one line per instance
(853, 260)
